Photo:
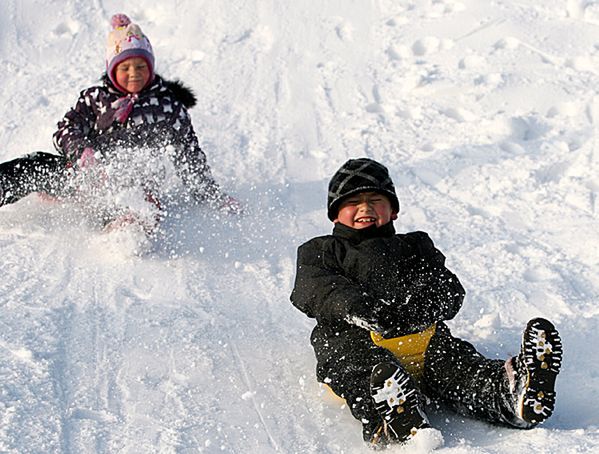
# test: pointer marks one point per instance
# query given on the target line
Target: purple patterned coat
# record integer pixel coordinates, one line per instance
(158, 120)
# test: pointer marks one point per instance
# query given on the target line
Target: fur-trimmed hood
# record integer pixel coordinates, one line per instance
(180, 91)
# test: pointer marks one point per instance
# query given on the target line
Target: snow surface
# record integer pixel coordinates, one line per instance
(486, 112)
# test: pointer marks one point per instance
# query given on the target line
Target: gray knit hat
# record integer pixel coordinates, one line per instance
(360, 175)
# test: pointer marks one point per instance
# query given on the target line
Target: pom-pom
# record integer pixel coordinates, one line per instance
(119, 20)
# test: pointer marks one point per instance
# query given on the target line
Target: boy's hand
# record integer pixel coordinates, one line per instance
(380, 319)
(370, 325)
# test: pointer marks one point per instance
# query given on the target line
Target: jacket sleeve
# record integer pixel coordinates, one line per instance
(72, 136)
(191, 161)
(323, 292)
(431, 292)
(434, 282)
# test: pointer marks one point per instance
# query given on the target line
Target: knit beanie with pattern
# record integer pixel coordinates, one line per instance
(126, 40)
(360, 175)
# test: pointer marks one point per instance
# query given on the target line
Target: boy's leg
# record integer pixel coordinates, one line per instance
(345, 363)
(35, 172)
(476, 386)
(464, 379)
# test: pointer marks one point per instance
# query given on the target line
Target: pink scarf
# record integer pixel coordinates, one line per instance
(123, 107)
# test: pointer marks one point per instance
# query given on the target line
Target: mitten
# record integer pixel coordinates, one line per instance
(87, 158)
(380, 318)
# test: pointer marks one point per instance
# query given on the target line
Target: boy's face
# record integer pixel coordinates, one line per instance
(364, 209)
(133, 74)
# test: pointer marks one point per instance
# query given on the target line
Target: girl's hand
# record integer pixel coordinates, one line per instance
(87, 158)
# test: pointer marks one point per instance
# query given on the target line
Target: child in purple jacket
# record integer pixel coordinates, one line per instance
(134, 113)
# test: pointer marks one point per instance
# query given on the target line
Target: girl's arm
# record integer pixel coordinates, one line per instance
(192, 163)
(73, 134)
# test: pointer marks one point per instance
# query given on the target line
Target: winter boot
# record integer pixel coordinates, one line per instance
(34, 172)
(533, 372)
(399, 404)
(4, 190)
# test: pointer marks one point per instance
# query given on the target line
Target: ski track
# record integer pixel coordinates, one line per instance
(486, 115)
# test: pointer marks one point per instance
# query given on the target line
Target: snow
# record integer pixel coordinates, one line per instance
(486, 115)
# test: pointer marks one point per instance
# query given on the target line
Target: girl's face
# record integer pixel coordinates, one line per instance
(133, 74)
(362, 210)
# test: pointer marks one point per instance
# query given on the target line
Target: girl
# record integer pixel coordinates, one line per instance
(133, 117)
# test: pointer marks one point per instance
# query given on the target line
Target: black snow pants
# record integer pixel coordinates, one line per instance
(454, 373)
(34, 172)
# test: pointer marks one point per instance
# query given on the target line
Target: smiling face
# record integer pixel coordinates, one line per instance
(133, 74)
(364, 209)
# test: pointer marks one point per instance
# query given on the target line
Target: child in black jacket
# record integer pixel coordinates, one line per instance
(380, 300)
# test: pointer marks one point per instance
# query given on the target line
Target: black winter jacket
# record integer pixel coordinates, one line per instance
(372, 278)
(159, 120)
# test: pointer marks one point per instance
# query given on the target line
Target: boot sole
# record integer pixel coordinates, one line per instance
(542, 354)
(398, 402)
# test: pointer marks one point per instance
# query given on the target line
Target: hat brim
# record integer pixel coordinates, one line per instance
(334, 206)
(125, 55)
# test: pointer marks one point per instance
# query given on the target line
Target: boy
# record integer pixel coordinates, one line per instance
(380, 300)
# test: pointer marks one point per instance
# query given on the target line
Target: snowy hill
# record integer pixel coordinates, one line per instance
(486, 114)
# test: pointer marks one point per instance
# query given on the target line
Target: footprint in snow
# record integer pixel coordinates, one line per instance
(442, 8)
(66, 29)
(584, 10)
(430, 45)
(344, 31)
